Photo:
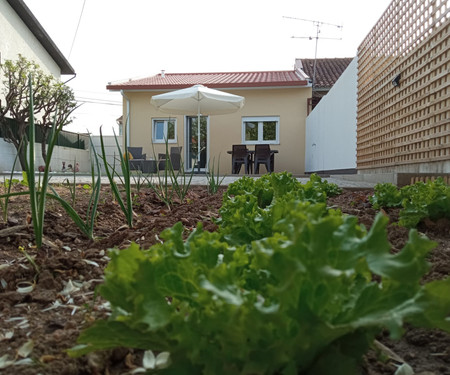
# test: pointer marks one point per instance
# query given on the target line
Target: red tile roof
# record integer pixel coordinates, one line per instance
(289, 78)
(327, 70)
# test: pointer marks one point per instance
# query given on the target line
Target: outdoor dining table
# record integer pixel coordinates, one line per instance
(252, 157)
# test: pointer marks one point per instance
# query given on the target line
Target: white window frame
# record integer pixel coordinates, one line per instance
(166, 122)
(260, 120)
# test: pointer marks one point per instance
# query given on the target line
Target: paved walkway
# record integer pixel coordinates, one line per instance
(201, 180)
(196, 180)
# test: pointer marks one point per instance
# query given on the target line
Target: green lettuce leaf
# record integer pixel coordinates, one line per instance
(283, 287)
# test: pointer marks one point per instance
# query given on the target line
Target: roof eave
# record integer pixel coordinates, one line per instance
(41, 35)
(119, 87)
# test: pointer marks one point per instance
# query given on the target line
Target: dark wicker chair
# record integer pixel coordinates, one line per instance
(263, 155)
(136, 163)
(175, 159)
(240, 156)
(136, 153)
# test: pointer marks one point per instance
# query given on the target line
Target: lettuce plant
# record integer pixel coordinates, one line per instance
(298, 298)
(418, 201)
(316, 183)
(250, 207)
(425, 200)
(276, 185)
(386, 195)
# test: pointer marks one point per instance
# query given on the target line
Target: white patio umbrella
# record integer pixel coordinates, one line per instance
(199, 100)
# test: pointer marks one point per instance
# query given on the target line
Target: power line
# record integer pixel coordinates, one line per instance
(76, 31)
(97, 101)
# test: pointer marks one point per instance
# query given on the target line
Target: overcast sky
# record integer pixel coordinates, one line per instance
(111, 40)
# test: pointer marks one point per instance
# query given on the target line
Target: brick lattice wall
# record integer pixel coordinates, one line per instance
(409, 123)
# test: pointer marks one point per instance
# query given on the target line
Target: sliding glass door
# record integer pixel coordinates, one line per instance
(197, 143)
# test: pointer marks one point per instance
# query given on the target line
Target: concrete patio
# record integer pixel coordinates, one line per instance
(197, 179)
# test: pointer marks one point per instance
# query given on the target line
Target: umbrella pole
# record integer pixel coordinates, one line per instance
(198, 135)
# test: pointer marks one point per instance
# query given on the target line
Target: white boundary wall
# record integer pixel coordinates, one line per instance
(331, 127)
(60, 154)
(112, 153)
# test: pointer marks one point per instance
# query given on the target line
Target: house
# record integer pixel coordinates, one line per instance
(23, 34)
(323, 73)
(274, 113)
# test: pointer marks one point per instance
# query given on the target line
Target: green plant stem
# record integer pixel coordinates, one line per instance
(169, 178)
(127, 206)
(72, 188)
(4, 204)
(85, 227)
(34, 201)
(30, 259)
(214, 181)
(38, 193)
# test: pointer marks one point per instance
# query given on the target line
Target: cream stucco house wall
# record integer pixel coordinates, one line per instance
(277, 99)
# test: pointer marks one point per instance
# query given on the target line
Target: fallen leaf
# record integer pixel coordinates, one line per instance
(91, 262)
(26, 349)
(46, 358)
(6, 336)
(404, 369)
(5, 362)
(129, 361)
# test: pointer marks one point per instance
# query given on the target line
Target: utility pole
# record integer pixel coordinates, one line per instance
(317, 25)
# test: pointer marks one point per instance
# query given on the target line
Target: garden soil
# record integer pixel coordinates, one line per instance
(48, 295)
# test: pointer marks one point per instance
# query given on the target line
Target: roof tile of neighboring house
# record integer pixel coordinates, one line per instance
(327, 70)
(289, 78)
(41, 35)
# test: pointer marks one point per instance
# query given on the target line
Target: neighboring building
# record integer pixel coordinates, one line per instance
(274, 100)
(21, 33)
(323, 73)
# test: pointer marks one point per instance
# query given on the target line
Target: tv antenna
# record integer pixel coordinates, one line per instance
(317, 25)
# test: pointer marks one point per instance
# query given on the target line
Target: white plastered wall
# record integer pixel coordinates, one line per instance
(331, 127)
(16, 38)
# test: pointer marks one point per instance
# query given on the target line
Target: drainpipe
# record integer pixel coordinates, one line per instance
(70, 79)
(127, 121)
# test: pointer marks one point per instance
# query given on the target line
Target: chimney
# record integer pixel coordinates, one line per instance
(163, 73)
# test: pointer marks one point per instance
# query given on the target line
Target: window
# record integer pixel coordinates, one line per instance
(164, 129)
(260, 130)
